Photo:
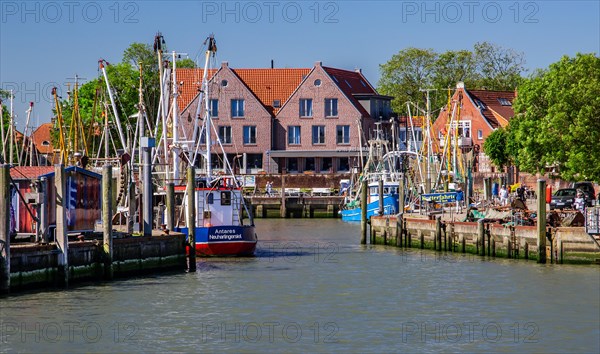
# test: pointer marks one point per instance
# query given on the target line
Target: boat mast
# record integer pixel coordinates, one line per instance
(114, 105)
(211, 50)
(23, 153)
(11, 128)
(175, 108)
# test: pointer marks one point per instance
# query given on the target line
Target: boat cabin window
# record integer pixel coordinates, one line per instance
(225, 198)
(210, 198)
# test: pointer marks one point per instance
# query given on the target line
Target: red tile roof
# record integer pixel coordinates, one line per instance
(351, 83)
(41, 135)
(29, 172)
(191, 79)
(272, 84)
(491, 100)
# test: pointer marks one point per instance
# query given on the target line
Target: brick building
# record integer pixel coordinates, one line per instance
(299, 120)
(481, 112)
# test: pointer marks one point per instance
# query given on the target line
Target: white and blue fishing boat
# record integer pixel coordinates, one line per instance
(380, 166)
(220, 205)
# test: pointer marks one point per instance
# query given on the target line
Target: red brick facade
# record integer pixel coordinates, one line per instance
(342, 134)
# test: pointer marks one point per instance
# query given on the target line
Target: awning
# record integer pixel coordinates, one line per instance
(316, 153)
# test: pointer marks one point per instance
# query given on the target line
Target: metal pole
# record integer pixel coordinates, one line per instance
(62, 241)
(107, 248)
(541, 220)
(191, 217)
(147, 144)
(5, 229)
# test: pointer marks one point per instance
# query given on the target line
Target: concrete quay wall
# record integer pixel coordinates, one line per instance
(563, 244)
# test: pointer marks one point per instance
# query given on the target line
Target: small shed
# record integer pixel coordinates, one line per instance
(83, 193)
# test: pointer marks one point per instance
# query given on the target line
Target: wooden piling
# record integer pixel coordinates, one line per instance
(171, 206)
(399, 230)
(493, 243)
(363, 213)
(438, 234)
(541, 220)
(62, 241)
(481, 236)
(107, 247)
(282, 210)
(191, 217)
(5, 229)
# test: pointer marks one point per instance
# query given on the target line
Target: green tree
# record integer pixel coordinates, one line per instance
(487, 66)
(499, 68)
(405, 74)
(557, 126)
(496, 149)
(186, 63)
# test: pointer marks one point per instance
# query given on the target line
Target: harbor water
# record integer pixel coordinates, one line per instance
(313, 288)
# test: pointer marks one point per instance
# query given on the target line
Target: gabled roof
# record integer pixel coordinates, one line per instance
(351, 83)
(191, 79)
(269, 85)
(41, 135)
(493, 106)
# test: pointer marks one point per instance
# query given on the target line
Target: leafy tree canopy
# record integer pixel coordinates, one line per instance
(557, 120)
(487, 66)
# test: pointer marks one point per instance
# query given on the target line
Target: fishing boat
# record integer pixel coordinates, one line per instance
(219, 201)
(379, 167)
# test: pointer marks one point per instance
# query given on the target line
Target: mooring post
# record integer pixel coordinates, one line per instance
(171, 206)
(5, 229)
(481, 236)
(191, 217)
(438, 234)
(107, 247)
(363, 213)
(401, 195)
(62, 240)
(380, 191)
(541, 220)
(399, 230)
(282, 209)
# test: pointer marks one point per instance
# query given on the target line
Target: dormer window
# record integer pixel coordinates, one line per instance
(480, 105)
(504, 102)
(276, 103)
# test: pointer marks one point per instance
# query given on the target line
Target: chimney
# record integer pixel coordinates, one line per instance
(272, 63)
(358, 70)
(460, 85)
(318, 63)
(225, 64)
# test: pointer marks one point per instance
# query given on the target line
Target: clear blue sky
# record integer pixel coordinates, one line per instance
(44, 43)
